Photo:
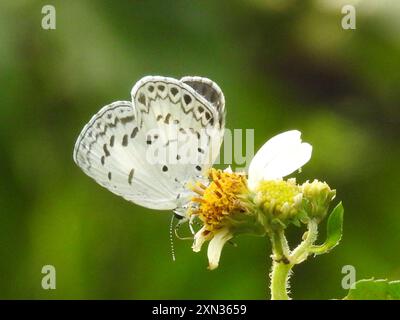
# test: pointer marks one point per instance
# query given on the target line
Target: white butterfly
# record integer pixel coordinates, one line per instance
(114, 147)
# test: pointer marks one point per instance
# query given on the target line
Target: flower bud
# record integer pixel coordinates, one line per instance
(317, 197)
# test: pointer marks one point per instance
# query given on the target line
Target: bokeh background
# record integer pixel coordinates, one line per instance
(281, 64)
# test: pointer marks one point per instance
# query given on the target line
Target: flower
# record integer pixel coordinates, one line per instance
(233, 204)
(279, 157)
(225, 210)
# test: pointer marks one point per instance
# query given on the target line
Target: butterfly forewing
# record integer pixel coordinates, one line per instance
(146, 151)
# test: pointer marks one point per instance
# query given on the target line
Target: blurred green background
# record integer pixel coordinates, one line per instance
(281, 64)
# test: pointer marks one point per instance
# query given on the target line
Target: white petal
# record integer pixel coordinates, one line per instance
(279, 157)
(215, 247)
(199, 238)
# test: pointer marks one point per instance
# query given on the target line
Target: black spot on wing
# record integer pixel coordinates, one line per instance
(134, 132)
(142, 99)
(105, 149)
(174, 91)
(125, 140)
(127, 119)
(187, 98)
(130, 176)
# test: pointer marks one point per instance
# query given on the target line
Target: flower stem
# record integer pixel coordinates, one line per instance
(302, 251)
(284, 260)
(280, 280)
(281, 266)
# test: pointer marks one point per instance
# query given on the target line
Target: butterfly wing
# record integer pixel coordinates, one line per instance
(209, 90)
(109, 151)
(146, 151)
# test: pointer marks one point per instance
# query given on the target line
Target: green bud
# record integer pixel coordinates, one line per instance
(317, 197)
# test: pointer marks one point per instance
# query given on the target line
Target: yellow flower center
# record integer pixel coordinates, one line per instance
(220, 198)
(279, 196)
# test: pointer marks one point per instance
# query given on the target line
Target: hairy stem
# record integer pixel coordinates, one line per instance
(302, 251)
(281, 267)
(280, 280)
(284, 260)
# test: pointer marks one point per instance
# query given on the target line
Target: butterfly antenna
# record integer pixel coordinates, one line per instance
(171, 238)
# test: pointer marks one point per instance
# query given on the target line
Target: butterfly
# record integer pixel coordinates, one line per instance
(147, 150)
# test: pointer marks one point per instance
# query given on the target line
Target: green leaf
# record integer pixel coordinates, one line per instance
(334, 232)
(370, 289)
